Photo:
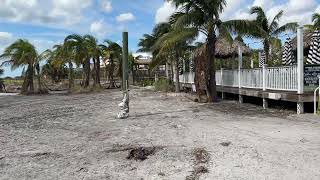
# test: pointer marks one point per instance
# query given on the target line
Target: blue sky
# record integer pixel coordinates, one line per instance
(47, 22)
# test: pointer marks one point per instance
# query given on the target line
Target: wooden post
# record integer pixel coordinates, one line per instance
(239, 73)
(300, 105)
(125, 67)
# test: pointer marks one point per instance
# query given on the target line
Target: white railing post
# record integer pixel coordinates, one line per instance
(300, 69)
(264, 77)
(221, 82)
(264, 85)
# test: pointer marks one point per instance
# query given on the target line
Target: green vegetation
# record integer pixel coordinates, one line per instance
(316, 23)
(23, 54)
(163, 85)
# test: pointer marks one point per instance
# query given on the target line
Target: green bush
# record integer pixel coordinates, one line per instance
(163, 85)
(147, 82)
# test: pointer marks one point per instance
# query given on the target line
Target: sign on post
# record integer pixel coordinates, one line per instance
(311, 74)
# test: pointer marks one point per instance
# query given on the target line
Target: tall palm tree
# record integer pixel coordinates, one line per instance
(22, 54)
(269, 29)
(95, 52)
(79, 47)
(115, 53)
(315, 21)
(204, 16)
(173, 46)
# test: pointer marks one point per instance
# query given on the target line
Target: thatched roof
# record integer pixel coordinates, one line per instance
(307, 36)
(225, 49)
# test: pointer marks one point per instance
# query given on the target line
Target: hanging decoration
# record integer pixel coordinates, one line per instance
(314, 52)
(287, 55)
(262, 60)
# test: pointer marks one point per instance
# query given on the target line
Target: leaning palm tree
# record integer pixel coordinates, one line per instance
(22, 54)
(269, 29)
(204, 16)
(316, 23)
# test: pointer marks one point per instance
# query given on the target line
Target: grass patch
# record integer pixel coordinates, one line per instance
(163, 85)
(15, 82)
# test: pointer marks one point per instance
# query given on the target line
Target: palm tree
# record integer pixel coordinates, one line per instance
(95, 51)
(316, 23)
(115, 53)
(172, 46)
(148, 41)
(79, 47)
(269, 30)
(20, 54)
(204, 16)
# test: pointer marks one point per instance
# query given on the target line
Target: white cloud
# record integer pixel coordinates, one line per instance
(99, 28)
(5, 37)
(164, 12)
(66, 12)
(106, 6)
(125, 17)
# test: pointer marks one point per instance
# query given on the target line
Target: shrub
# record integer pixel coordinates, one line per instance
(163, 85)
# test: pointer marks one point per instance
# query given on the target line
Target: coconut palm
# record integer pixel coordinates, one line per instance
(170, 46)
(147, 44)
(316, 23)
(95, 51)
(22, 54)
(204, 16)
(78, 45)
(269, 29)
(115, 52)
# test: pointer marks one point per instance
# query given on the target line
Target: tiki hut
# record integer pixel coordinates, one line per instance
(224, 50)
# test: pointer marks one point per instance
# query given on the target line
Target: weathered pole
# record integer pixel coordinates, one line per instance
(125, 67)
(124, 105)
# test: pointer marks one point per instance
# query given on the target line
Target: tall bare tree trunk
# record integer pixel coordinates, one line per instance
(211, 69)
(94, 75)
(86, 74)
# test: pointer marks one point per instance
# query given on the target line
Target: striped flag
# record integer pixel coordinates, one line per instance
(314, 52)
(287, 55)
(192, 67)
(262, 59)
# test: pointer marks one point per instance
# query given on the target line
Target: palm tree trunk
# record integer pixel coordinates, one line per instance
(112, 85)
(86, 74)
(266, 47)
(177, 84)
(30, 78)
(211, 70)
(98, 71)
(71, 79)
(94, 72)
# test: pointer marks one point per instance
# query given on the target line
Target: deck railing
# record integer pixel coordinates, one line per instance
(276, 78)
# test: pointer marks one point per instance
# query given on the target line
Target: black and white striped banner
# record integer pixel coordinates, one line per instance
(314, 52)
(262, 60)
(192, 67)
(287, 55)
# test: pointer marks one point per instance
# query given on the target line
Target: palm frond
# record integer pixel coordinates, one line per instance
(286, 27)
(275, 22)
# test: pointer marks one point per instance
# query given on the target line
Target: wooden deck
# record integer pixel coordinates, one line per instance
(269, 94)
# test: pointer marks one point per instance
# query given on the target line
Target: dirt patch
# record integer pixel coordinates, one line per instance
(142, 153)
(201, 161)
(225, 144)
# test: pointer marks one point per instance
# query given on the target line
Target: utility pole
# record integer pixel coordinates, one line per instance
(124, 105)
